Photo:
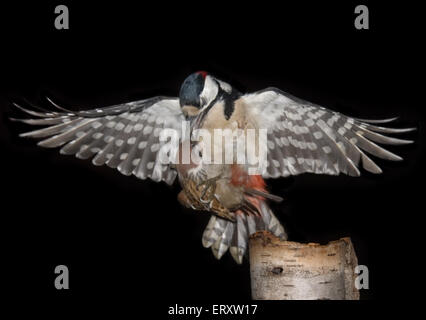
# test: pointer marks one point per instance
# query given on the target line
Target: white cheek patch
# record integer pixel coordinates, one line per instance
(225, 86)
(209, 92)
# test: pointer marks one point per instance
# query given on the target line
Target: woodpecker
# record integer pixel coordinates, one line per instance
(301, 137)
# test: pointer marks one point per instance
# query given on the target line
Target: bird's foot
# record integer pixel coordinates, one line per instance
(227, 215)
(209, 188)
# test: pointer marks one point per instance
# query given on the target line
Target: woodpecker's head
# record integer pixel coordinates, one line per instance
(199, 90)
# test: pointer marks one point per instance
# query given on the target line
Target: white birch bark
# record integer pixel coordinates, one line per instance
(285, 270)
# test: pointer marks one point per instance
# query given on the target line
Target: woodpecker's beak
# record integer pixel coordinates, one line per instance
(190, 111)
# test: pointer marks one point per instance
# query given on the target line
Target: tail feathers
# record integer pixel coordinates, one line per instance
(222, 235)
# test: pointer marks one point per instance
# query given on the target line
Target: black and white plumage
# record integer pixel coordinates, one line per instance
(124, 136)
(302, 138)
(221, 235)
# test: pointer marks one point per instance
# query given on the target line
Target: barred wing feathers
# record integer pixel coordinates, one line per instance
(304, 137)
(124, 136)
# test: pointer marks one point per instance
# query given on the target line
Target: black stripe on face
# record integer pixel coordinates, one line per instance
(230, 103)
(199, 119)
(229, 100)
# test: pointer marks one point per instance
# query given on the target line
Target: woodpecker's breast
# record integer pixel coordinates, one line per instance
(223, 116)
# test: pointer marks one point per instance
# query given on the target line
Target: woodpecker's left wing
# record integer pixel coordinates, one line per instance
(304, 137)
(124, 136)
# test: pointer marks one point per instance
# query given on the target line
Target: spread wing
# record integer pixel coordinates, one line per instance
(124, 136)
(304, 137)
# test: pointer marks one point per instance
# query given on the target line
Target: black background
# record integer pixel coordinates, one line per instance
(126, 239)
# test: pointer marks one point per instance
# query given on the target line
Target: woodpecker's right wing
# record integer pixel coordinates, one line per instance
(124, 136)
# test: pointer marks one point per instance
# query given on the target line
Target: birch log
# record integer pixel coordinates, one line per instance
(285, 270)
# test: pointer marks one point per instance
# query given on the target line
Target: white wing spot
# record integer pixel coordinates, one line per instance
(136, 161)
(150, 165)
(318, 135)
(304, 129)
(341, 131)
(309, 162)
(138, 127)
(157, 132)
(131, 140)
(312, 145)
(276, 163)
(142, 145)
(111, 124)
(348, 125)
(294, 142)
(291, 160)
(97, 135)
(119, 142)
(96, 124)
(326, 149)
(312, 115)
(147, 130)
(119, 126)
(285, 142)
(309, 122)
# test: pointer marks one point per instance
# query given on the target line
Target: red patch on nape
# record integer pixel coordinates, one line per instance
(203, 73)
